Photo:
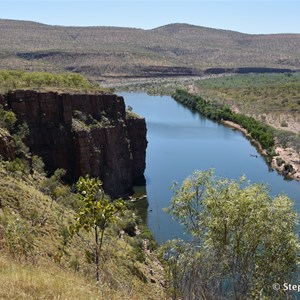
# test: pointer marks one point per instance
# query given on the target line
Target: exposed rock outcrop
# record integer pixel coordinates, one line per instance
(7, 149)
(2, 100)
(85, 134)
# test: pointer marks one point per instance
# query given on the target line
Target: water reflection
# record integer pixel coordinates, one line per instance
(180, 142)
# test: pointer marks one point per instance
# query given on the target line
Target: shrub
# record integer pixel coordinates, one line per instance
(237, 235)
(288, 168)
(7, 118)
(18, 165)
(279, 161)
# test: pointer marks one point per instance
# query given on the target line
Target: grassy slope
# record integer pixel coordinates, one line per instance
(24, 281)
(38, 257)
(113, 51)
(36, 251)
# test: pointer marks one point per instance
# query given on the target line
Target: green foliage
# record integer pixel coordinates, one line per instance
(279, 161)
(58, 190)
(97, 212)
(53, 186)
(65, 234)
(35, 238)
(10, 80)
(137, 253)
(18, 166)
(272, 98)
(20, 134)
(242, 238)
(258, 130)
(288, 168)
(75, 265)
(7, 118)
(38, 165)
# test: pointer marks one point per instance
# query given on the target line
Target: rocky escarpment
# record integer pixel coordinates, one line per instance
(7, 150)
(84, 134)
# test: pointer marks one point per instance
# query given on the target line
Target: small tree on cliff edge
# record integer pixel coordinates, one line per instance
(97, 213)
(243, 239)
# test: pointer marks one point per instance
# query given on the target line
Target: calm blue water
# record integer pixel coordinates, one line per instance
(180, 142)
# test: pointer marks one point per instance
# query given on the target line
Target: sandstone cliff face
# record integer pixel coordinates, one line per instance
(84, 134)
(7, 150)
(137, 132)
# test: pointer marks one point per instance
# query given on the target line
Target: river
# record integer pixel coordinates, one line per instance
(180, 142)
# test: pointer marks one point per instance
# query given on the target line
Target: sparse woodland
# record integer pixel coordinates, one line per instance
(175, 49)
(45, 251)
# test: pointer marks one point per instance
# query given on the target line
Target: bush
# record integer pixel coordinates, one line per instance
(279, 161)
(38, 165)
(242, 240)
(288, 168)
(51, 186)
(7, 118)
(10, 80)
(18, 165)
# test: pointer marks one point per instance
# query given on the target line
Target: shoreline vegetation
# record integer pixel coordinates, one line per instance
(269, 98)
(284, 160)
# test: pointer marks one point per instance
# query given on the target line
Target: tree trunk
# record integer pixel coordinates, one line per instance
(97, 253)
(101, 239)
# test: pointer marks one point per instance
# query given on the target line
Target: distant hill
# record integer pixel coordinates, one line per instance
(174, 49)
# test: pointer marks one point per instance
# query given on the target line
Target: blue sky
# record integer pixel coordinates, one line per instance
(266, 16)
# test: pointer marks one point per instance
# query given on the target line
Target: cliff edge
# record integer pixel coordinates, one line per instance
(84, 134)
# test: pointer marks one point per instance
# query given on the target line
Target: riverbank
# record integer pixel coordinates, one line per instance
(284, 160)
(246, 133)
(179, 142)
(283, 156)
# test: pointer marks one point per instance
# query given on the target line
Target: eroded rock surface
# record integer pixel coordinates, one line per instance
(85, 134)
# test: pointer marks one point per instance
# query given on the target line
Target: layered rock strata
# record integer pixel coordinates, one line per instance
(84, 134)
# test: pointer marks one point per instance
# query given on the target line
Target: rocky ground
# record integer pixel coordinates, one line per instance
(288, 155)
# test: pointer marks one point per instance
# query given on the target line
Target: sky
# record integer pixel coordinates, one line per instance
(256, 16)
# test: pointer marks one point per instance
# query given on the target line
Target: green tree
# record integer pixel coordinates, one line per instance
(97, 212)
(241, 237)
(7, 118)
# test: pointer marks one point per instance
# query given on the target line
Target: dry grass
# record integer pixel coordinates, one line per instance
(38, 259)
(25, 281)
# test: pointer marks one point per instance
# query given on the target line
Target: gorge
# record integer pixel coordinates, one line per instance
(181, 142)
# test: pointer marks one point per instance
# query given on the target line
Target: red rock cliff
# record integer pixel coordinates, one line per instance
(85, 134)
